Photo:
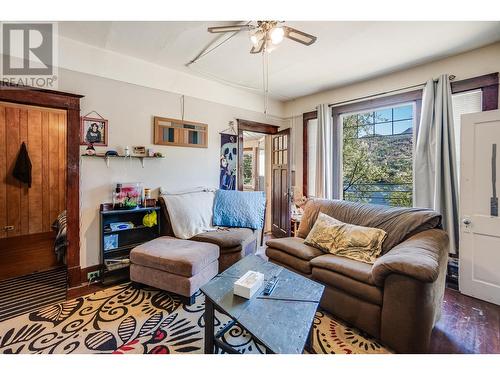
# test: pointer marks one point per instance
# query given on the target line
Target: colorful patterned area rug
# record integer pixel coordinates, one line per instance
(127, 319)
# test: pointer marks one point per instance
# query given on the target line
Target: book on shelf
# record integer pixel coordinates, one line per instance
(116, 263)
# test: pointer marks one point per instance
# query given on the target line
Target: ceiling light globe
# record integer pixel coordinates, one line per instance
(254, 39)
(277, 35)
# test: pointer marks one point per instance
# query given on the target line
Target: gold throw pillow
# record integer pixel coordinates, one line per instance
(346, 240)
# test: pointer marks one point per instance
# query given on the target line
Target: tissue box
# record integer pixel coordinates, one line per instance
(248, 284)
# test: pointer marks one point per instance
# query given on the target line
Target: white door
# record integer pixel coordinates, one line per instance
(479, 228)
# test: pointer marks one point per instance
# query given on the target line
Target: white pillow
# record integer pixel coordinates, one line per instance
(190, 213)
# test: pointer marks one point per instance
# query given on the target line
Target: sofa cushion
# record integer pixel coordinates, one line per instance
(295, 246)
(228, 239)
(181, 257)
(357, 270)
(292, 262)
(361, 290)
(400, 223)
(308, 275)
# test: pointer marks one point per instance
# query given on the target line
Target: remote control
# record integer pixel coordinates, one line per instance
(271, 284)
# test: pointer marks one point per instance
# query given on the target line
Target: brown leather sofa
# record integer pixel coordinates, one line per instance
(398, 298)
(233, 243)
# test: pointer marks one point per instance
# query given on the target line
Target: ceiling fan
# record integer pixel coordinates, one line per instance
(265, 35)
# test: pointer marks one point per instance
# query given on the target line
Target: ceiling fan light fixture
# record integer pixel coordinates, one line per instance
(277, 35)
(256, 37)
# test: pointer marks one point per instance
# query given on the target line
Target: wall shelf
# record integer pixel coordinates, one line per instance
(107, 158)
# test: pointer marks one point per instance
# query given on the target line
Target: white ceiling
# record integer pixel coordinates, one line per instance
(345, 52)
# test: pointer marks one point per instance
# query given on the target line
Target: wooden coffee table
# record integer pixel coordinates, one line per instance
(281, 322)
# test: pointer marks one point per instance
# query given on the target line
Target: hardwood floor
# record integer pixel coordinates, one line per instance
(467, 325)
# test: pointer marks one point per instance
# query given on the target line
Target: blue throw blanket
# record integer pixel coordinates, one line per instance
(240, 209)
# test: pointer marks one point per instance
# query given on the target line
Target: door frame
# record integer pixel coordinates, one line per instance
(71, 103)
(252, 126)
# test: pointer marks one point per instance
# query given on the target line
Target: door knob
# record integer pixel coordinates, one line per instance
(467, 221)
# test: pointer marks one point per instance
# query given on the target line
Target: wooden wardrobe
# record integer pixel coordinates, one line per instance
(27, 213)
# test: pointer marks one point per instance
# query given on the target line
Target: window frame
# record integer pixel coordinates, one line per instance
(374, 123)
(385, 101)
(487, 83)
(374, 137)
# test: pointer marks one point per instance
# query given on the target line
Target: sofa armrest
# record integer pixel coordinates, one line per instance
(419, 257)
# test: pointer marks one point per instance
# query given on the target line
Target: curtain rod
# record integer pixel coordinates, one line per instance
(451, 78)
(375, 95)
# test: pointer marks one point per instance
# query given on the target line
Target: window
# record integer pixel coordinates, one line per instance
(377, 155)
(464, 102)
(248, 169)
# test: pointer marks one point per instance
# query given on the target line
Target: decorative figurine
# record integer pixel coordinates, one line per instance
(90, 149)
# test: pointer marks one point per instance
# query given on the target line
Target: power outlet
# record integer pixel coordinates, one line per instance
(93, 275)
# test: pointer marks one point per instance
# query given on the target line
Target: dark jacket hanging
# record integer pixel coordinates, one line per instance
(22, 169)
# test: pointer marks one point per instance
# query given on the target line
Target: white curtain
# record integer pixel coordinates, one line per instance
(435, 182)
(328, 171)
(324, 153)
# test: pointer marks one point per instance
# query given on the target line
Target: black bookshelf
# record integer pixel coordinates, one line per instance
(115, 258)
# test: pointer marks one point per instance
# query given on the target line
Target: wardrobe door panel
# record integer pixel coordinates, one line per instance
(62, 162)
(32, 210)
(24, 189)
(45, 173)
(35, 150)
(12, 136)
(53, 166)
(3, 174)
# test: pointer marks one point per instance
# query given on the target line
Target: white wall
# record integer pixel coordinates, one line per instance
(466, 65)
(130, 110)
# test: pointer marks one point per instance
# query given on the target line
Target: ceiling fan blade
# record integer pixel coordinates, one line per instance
(229, 29)
(259, 46)
(299, 36)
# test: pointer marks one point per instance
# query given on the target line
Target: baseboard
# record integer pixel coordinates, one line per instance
(74, 276)
(83, 289)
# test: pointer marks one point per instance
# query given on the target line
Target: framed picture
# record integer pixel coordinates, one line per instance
(139, 150)
(93, 130)
(172, 132)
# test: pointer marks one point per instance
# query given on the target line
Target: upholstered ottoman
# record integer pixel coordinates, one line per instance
(174, 265)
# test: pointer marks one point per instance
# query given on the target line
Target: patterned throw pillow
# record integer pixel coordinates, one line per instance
(351, 241)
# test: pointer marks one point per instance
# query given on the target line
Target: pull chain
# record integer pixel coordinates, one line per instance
(265, 78)
(182, 108)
